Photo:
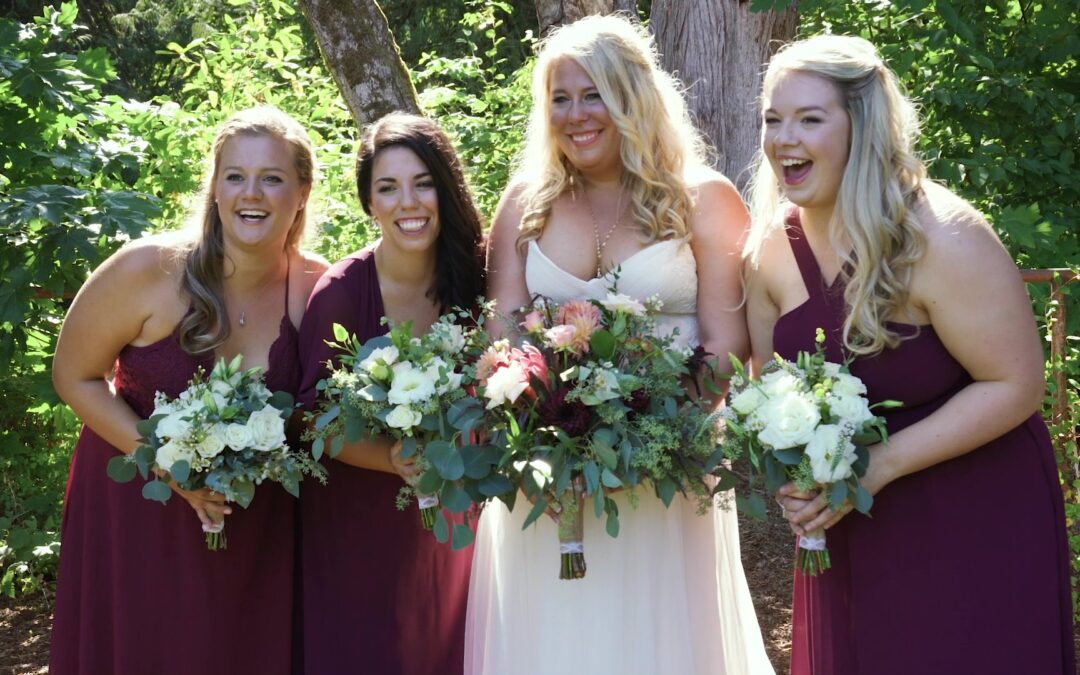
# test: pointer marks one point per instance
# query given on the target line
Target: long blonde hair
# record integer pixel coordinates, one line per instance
(882, 179)
(207, 326)
(658, 140)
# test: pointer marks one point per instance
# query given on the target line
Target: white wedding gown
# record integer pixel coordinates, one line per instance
(666, 597)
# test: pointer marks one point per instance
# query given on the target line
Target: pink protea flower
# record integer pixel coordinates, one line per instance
(535, 366)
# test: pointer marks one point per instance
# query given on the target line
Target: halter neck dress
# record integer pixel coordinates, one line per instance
(138, 591)
(962, 567)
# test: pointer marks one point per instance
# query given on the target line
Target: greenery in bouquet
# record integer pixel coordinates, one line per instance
(418, 390)
(595, 398)
(808, 422)
(225, 432)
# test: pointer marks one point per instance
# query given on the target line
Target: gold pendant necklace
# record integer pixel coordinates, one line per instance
(601, 243)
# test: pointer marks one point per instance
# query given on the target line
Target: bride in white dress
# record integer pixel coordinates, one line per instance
(613, 178)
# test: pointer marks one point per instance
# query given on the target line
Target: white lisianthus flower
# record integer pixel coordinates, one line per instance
(779, 382)
(854, 408)
(213, 442)
(453, 380)
(848, 385)
(238, 437)
(789, 420)
(174, 426)
(403, 417)
(831, 454)
(171, 453)
(378, 362)
(267, 428)
(748, 400)
(618, 302)
(505, 385)
(411, 385)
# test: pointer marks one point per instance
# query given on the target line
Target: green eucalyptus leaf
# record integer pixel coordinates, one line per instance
(442, 528)
(496, 485)
(157, 490)
(446, 459)
(317, 447)
(863, 500)
(430, 483)
(122, 469)
(463, 537)
(180, 471)
(243, 492)
(838, 494)
(454, 498)
(752, 505)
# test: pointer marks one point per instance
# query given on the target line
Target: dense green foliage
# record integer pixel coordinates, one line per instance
(104, 134)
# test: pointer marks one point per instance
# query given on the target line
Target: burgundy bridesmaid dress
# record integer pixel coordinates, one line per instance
(380, 595)
(962, 567)
(138, 591)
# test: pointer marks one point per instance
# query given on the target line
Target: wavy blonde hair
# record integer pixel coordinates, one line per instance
(659, 140)
(882, 179)
(207, 325)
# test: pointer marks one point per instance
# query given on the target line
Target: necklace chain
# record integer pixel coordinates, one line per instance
(601, 243)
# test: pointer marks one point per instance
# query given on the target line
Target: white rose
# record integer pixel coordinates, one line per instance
(617, 302)
(789, 420)
(748, 400)
(238, 437)
(779, 382)
(173, 426)
(171, 453)
(403, 417)
(410, 385)
(267, 428)
(854, 409)
(831, 454)
(213, 442)
(848, 385)
(505, 385)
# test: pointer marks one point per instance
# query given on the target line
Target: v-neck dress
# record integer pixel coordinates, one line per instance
(380, 594)
(963, 567)
(667, 596)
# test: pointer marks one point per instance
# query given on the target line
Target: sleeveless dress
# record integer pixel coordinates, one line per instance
(138, 592)
(667, 596)
(380, 594)
(962, 567)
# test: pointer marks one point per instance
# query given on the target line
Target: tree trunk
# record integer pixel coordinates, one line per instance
(719, 48)
(553, 13)
(362, 56)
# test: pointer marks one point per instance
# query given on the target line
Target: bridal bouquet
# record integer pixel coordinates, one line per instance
(594, 399)
(225, 432)
(808, 422)
(415, 389)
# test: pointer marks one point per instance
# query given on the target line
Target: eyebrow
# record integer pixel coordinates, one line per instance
(803, 109)
(391, 179)
(265, 168)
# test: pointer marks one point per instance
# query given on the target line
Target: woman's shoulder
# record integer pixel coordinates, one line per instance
(950, 223)
(705, 178)
(155, 258)
(313, 266)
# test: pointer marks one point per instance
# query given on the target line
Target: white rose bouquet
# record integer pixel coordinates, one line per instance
(413, 389)
(594, 398)
(808, 422)
(225, 432)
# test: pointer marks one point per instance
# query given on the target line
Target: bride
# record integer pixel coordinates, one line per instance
(613, 178)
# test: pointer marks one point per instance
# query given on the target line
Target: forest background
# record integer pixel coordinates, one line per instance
(108, 109)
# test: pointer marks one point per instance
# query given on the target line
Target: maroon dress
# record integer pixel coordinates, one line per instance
(962, 567)
(138, 591)
(380, 595)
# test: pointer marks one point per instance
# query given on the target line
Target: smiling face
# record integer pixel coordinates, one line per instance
(404, 200)
(806, 136)
(258, 191)
(579, 119)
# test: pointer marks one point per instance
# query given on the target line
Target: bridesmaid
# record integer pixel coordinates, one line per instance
(138, 591)
(910, 281)
(380, 595)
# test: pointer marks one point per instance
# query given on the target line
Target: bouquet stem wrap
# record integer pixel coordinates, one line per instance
(215, 535)
(572, 532)
(813, 557)
(429, 507)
